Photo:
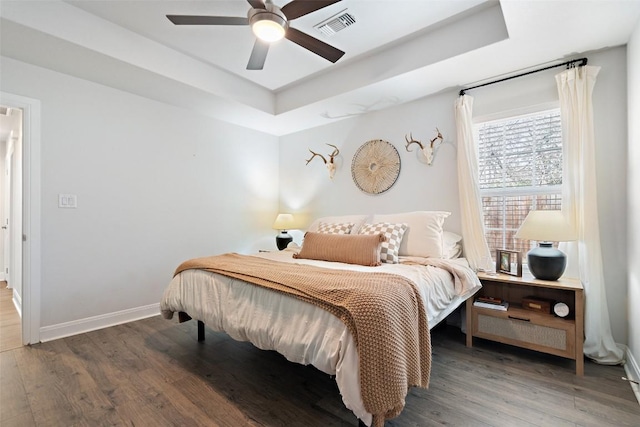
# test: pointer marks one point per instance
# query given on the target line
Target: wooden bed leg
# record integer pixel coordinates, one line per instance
(200, 330)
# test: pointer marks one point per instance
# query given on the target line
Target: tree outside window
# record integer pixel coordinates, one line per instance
(520, 169)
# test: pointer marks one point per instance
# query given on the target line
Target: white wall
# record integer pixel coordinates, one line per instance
(155, 184)
(307, 189)
(633, 254)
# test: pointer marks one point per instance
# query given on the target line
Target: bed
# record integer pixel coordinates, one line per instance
(306, 331)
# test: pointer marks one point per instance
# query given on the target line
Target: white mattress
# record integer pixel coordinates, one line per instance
(302, 332)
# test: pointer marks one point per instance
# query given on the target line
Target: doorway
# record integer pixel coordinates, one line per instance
(11, 289)
(27, 239)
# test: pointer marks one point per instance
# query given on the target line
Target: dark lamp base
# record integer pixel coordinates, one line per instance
(546, 262)
(283, 239)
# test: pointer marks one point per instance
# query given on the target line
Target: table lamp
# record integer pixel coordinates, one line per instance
(546, 226)
(283, 223)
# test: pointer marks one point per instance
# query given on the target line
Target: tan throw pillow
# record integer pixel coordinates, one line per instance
(335, 228)
(389, 249)
(348, 248)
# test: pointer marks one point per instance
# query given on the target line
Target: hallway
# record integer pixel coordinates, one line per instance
(10, 329)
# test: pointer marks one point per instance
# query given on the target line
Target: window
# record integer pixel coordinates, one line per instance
(520, 167)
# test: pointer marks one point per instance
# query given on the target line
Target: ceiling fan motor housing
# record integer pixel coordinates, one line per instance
(271, 13)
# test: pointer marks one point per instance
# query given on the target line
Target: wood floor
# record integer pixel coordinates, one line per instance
(153, 372)
(10, 327)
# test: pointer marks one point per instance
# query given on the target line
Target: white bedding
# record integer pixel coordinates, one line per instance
(300, 331)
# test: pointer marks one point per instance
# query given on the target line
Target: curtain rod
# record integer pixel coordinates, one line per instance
(569, 64)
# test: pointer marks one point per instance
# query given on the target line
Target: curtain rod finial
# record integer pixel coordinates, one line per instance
(461, 93)
(577, 63)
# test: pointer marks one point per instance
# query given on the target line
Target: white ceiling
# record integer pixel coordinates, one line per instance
(396, 52)
(228, 47)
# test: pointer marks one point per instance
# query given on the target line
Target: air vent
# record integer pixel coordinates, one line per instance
(336, 23)
(5, 111)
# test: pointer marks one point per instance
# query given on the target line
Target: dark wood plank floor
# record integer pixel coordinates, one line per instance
(154, 373)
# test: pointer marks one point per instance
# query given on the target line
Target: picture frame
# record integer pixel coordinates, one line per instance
(509, 262)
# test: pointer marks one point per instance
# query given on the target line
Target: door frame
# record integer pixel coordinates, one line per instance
(31, 213)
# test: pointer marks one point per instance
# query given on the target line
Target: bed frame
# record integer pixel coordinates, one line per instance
(183, 317)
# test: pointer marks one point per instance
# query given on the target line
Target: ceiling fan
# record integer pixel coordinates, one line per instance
(271, 23)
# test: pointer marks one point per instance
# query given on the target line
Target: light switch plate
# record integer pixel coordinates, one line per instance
(67, 201)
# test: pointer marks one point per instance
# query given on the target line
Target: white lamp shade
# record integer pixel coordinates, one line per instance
(265, 28)
(546, 226)
(283, 222)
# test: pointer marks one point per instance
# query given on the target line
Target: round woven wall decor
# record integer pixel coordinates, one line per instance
(375, 166)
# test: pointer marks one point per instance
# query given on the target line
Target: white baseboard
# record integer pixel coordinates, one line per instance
(632, 369)
(17, 302)
(67, 329)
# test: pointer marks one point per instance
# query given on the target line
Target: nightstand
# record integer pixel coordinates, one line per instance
(534, 330)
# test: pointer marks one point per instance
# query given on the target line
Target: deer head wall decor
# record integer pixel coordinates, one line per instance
(427, 150)
(331, 166)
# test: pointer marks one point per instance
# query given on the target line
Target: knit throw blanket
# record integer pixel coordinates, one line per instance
(384, 312)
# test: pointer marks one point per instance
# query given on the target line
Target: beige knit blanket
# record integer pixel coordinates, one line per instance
(384, 312)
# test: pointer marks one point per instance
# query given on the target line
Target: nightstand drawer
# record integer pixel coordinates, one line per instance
(525, 329)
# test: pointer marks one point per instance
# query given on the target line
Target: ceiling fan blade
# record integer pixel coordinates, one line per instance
(316, 46)
(298, 8)
(258, 55)
(207, 20)
(257, 4)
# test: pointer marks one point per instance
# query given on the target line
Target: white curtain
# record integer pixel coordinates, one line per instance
(580, 205)
(476, 249)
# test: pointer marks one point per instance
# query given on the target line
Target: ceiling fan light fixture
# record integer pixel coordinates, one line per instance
(267, 29)
(268, 24)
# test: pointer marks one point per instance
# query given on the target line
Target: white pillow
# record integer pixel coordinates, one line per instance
(450, 238)
(452, 245)
(357, 221)
(424, 234)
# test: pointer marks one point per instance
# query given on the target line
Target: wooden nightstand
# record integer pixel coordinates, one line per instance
(534, 330)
